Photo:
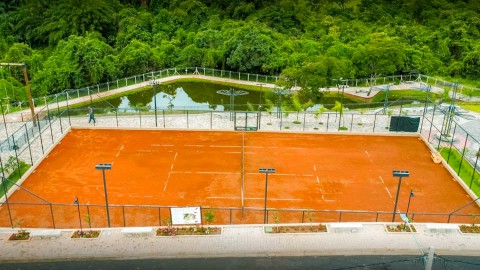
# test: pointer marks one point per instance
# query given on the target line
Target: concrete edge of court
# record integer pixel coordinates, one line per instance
(240, 241)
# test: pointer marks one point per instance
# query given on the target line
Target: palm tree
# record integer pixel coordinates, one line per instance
(339, 108)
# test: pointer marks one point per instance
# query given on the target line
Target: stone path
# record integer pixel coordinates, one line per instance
(240, 241)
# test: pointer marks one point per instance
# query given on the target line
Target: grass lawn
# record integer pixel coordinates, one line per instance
(474, 107)
(14, 177)
(466, 171)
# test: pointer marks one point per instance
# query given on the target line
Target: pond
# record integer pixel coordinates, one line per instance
(195, 96)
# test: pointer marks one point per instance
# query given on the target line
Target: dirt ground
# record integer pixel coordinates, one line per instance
(155, 169)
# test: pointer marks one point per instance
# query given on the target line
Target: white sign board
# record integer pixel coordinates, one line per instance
(186, 215)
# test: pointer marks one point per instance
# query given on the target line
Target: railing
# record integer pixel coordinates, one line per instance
(66, 215)
(136, 79)
(107, 86)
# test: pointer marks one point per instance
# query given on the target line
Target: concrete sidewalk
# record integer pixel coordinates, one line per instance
(240, 241)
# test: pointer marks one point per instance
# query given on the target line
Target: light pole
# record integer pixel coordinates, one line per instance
(103, 167)
(409, 198)
(232, 94)
(399, 174)
(266, 171)
(79, 216)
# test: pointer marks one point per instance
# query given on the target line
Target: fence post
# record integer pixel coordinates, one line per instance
(29, 148)
(463, 153)
(123, 213)
(51, 213)
(304, 118)
(140, 116)
(159, 216)
(230, 216)
(328, 119)
(68, 112)
(39, 134)
(351, 124)
(58, 111)
(451, 145)
(50, 124)
(116, 116)
(340, 217)
(474, 171)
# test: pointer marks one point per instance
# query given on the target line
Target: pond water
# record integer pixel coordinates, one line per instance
(194, 96)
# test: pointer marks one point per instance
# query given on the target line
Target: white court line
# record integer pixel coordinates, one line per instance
(157, 145)
(146, 151)
(273, 199)
(366, 152)
(170, 172)
(180, 172)
(389, 192)
(262, 147)
(314, 168)
(381, 179)
(318, 180)
(224, 146)
(218, 172)
(194, 145)
(219, 197)
(174, 158)
(285, 174)
(121, 148)
(166, 182)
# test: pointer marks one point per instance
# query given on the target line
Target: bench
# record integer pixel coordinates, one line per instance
(136, 230)
(436, 157)
(346, 226)
(441, 227)
(46, 233)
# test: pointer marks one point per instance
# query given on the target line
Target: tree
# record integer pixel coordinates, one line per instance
(64, 18)
(339, 109)
(191, 56)
(249, 49)
(382, 55)
(75, 63)
(134, 25)
(137, 57)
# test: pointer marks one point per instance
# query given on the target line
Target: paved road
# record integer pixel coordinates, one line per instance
(277, 263)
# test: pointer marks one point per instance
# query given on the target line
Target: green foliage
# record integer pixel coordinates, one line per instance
(12, 172)
(73, 44)
(209, 216)
(466, 172)
(88, 219)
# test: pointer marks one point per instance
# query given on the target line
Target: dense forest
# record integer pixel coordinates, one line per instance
(74, 43)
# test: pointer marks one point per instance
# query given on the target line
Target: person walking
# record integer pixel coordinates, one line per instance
(91, 115)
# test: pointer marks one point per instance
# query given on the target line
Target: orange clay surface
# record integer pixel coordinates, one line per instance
(204, 168)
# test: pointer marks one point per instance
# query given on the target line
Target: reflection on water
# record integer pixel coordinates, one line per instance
(195, 96)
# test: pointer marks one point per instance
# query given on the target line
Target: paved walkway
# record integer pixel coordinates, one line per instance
(239, 241)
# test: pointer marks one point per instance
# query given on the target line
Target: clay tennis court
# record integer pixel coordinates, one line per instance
(217, 169)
